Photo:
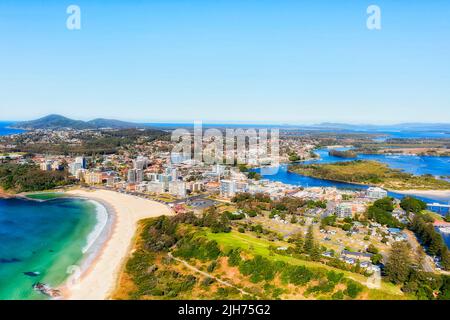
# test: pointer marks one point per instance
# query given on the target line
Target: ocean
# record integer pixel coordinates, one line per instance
(4, 130)
(42, 236)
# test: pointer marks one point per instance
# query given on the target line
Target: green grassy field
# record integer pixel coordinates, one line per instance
(259, 246)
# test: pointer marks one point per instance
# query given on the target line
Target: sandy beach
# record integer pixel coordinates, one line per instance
(99, 280)
(442, 195)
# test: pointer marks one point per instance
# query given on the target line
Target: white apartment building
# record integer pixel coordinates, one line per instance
(177, 188)
(227, 188)
(376, 193)
(344, 210)
(155, 187)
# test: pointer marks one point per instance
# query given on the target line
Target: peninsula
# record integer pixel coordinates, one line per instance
(370, 173)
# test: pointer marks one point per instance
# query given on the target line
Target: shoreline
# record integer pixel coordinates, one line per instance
(94, 247)
(100, 275)
(445, 193)
(439, 195)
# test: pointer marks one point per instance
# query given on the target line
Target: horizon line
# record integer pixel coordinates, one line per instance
(242, 122)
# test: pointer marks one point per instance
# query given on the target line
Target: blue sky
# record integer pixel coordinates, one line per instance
(226, 61)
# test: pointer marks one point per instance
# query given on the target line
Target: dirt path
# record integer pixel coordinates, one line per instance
(226, 283)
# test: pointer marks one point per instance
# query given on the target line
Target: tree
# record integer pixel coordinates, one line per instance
(382, 216)
(294, 219)
(372, 249)
(346, 226)
(436, 244)
(309, 240)
(385, 204)
(315, 253)
(297, 239)
(293, 157)
(447, 217)
(243, 168)
(376, 258)
(398, 263)
(218, 222)
(445, 258)
(254, 175)
(410, 204)
(328, 221)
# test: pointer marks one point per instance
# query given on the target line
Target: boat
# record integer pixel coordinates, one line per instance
(32, 273)
(46, 289)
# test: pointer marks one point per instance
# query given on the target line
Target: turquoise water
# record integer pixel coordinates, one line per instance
(46, 237)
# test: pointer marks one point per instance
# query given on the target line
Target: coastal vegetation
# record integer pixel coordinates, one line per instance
(293, 156)
(348, 154)
(402, 270)
(370, 173)
(381, 212)
(422, 226)
(26, 178)
(411, 204)
(88, 143)
(217, 257)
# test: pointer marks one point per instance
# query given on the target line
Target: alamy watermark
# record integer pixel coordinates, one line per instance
(374, 19)
(73, 21)
(229, 146)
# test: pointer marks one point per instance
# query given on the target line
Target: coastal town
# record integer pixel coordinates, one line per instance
(224, 159)
(346, 224)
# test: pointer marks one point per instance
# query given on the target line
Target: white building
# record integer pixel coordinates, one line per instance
(179, 157)
(177, 188)
(376, 193)
(135, 176)
(140, 163)
(227, 188)
(75, 167)
(344, 210)
(197, 187)
(155, 187)
(46, 165)
(131, 178)
(139, 175)
(142, 187)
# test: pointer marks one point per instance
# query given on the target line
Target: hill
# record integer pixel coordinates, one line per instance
(55, 121)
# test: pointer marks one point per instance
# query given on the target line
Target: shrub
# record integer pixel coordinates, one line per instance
(353, 289)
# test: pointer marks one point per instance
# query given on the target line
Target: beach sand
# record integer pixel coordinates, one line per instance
(442, 195)
(99, 280)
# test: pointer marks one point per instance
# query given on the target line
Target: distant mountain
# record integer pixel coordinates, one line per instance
(55, 121)
(115, 124)
(393, 127)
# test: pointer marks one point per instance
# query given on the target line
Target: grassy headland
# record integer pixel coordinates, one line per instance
(185, 257)
(15, 178)
(370, 173)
